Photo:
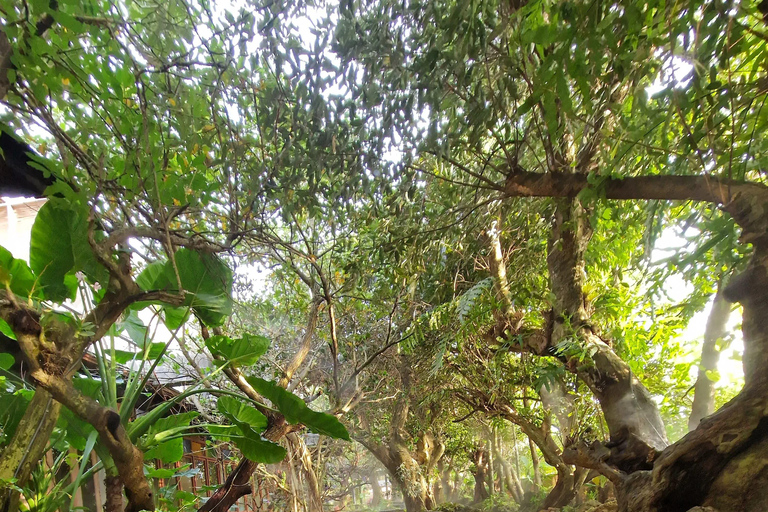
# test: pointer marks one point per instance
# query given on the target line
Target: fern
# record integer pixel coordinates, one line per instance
(468, 300)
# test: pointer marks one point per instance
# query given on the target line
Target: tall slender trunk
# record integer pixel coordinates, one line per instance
(376, 497)
(456, 489)
(294, 483)
(512, 482)
(535, 464)
(27, 446)
(704, 389)
(491, 480)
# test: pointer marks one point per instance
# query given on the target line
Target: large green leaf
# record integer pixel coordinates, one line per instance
(175, 317)
(250, 423)
(154, 277)
(16, 274)
(296, 411)
(208, 283)
(205, 279)
(50, 252)
(59, 246)
(168, 452)
(125, 356)
(135, 328)
(242, 351)
(257, 449)
(77, 430)
(240, 412)
(87, 386)
(6, 360)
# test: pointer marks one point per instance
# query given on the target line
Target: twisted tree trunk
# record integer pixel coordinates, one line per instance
(721, 463)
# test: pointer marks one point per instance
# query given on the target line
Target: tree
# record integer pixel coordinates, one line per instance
(133, 116)
(534, 172)
(562, 89)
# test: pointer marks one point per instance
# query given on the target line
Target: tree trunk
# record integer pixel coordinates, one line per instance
(457, 487)
(637, 433)
(722, 462)
(302, 454)
(404, 468)
(114, 491)
(491, 476)
(377, 496)
(27, 446)
(536, 477)
(480, 459)
(728, 446)
(704, 389)
(512, 482)
(406, 473)
(237, 483)
(635, 426)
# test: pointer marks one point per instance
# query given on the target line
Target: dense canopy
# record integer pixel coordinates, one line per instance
(488, 252)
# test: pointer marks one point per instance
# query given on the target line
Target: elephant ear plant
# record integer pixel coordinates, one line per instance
(72, 259)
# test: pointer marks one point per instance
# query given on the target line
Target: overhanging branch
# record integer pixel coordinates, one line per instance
(521, 183)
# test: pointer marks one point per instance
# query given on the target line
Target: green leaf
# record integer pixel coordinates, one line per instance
(240, 412)
(125, 356)
(12, 409)
(16, 274)
(88, 387)
(242, 351)
(175, 317)
(159, 472)
(168, 452)
(59, 245)
(6, 329)
(154, 277)
(6, 360)
(135, 328)
(77, 430)
(209, 281)
(296, 411)
(257, 449)
(68, 21)
(50, 253)
(171, 450)
(205, 279)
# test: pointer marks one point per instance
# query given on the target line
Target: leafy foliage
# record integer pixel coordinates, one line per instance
(296, 411)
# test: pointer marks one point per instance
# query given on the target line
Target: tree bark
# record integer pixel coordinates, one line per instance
(405, 469)
(114, 491)
(446, 487)
(301, 453)
(536, 476)
(727, 444)
(27, 446)
(704, 389)
(511, 481)
(480, 460)
(637, 432)
(238, 483)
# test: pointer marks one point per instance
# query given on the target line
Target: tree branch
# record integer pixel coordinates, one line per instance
(706, 188)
